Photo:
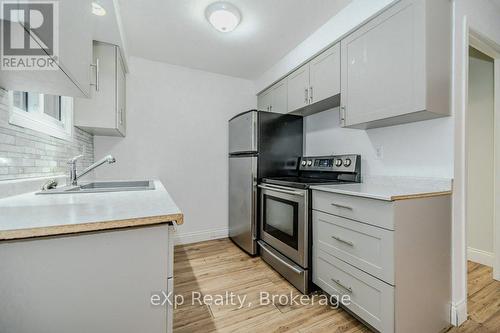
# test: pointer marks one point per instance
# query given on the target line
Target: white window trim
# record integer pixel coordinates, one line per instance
(44, 123)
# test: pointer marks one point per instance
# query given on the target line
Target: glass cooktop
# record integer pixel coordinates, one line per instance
(301, 182)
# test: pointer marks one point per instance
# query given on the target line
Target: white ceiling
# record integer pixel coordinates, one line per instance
(176, 32)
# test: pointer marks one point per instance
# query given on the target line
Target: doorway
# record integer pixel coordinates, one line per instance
(481, 158)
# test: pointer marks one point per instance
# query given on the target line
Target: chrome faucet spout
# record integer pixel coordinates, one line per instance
(72, 172)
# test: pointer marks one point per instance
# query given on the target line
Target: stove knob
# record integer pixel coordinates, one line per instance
(347, 162)
(303, 163)
(309, 163)
(338, 162)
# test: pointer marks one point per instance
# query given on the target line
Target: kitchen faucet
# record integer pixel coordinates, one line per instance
(73, 177)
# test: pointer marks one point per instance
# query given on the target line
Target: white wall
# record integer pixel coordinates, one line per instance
(177, 132)
(481, 161)
(482, 16)
(349, 18)
(421, 149)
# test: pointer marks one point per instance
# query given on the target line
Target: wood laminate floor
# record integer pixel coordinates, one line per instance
(483, 301)
(214, 267)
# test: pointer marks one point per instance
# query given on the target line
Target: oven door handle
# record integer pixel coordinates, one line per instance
(281, 190)
(291, 267)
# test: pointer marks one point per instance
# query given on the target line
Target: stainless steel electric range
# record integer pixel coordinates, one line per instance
(285, 213)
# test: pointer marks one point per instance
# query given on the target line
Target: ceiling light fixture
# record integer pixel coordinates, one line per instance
(223, 16)
(97, 9)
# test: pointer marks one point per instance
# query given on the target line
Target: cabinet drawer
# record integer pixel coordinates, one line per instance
(370, 299)
(371, 211)
(368, 248)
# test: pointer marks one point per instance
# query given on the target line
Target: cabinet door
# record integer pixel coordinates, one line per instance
(121, 114)
(325, 75)
(298, 88)
(264, 101)
(72, 77)
(279, 96)
(383, 70)
(104, 112)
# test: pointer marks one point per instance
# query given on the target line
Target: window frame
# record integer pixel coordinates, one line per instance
(41, 122)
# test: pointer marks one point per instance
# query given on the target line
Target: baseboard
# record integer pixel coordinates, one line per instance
(458, 313)
(480, 256)
(200, 236)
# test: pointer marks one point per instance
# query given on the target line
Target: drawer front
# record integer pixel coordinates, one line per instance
(371, 211)
(368, 248)
(370, 299)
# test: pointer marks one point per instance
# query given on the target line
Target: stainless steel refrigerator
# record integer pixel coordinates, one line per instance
(261, 144)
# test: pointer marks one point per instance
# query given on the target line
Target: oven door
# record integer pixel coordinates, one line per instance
(283, 221)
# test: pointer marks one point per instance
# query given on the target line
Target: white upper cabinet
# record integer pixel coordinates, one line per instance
(298, 88)
(316, 81)
(324, 73)
(264, 100)
(397, 67)
(279, 97)
(72, 74)
(104, 113)
(274, 99)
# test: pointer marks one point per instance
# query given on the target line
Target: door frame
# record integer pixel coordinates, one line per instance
(486, 46)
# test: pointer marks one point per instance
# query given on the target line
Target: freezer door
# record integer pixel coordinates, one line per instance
(243, 133)
(243, 202)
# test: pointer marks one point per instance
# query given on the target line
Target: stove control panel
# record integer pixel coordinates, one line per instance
(337, 163)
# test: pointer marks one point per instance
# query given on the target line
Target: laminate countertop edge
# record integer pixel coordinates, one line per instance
(385, 193)
(69, 229)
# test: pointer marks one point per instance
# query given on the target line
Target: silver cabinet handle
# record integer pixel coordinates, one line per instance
(121, 116)
(96, 66)
(343, 240)
(341, 206)
(310, 94)
(349, 289)
(342, 114)
(280, 190)
(306, 95)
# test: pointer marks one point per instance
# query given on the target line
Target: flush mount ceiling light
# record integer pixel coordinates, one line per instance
(97, 9)
(223, 16)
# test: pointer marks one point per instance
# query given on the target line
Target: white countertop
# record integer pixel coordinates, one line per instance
(29, 215)
(392, 188)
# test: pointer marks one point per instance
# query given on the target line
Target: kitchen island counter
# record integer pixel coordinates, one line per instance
(30, 215)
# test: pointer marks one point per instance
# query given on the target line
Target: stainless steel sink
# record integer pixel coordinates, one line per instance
(95, 187)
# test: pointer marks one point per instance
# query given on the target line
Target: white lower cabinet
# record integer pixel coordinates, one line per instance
(392, 258)
(170, 306)
(370, 298)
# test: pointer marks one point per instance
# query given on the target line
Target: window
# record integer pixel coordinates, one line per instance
(49, 114)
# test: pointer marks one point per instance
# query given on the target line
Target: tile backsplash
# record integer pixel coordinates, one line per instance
(25, 153)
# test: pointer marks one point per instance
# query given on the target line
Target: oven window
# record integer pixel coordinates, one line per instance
(281, 219)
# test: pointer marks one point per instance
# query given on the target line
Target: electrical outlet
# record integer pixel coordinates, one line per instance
(379, 152)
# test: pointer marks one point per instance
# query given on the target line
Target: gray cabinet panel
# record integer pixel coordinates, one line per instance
(72, 77)
(104, 113)
(264, 101)
(93, 282)
(389, 67)
(298, 88)
(279, 96)
(325, 75)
